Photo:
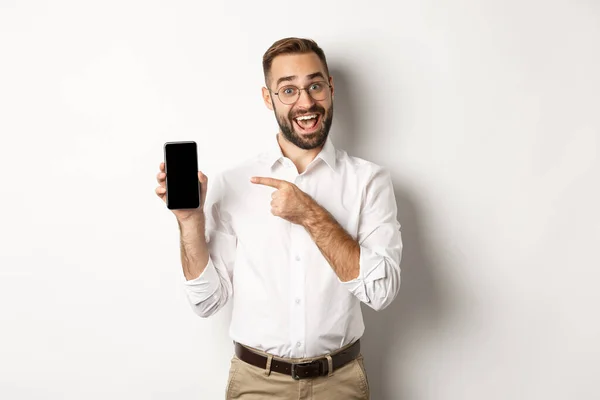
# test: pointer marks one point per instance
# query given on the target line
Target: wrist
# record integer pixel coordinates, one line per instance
(192, 221)
(312, 216)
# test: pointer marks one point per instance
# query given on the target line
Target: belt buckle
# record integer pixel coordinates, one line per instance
(295, 375)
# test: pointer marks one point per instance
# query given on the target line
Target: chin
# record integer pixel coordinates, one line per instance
(309, 141)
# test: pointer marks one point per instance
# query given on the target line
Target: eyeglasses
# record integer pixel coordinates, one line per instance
(290, 94)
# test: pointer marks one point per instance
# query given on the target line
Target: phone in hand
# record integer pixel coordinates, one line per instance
(181, 168)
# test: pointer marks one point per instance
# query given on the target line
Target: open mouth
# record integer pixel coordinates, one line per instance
(307, 123)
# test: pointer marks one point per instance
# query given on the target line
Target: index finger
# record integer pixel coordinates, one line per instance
(275, 183)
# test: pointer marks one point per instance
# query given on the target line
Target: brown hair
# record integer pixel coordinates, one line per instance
(291, 45)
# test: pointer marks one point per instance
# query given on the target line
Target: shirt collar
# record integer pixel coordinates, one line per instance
(327, 153)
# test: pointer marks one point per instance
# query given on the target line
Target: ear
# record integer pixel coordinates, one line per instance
(331, 83)
(267, 98)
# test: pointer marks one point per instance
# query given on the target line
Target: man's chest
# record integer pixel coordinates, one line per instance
(253, 222)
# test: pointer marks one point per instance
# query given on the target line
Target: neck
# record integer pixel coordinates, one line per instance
(300, 157)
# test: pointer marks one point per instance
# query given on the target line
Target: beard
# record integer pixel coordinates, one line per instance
(306, 142)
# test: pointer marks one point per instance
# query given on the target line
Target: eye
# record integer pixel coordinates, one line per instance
(316, 86)
(288, 90)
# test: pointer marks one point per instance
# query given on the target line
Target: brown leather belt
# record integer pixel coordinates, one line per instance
(318, 367)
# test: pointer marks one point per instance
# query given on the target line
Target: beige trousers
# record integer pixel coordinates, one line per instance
(248, 382)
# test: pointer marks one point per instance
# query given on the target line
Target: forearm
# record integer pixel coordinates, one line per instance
(194, 251)
(340, 250)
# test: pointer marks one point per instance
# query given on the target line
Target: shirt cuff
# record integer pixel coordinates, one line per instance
(371, 268)
(204, 286)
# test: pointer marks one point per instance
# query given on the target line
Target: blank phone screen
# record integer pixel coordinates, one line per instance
(181, 167)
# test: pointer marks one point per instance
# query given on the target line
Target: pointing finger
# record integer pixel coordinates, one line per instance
(275, 183)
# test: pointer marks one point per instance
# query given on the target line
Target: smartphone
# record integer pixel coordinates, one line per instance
(181, 167)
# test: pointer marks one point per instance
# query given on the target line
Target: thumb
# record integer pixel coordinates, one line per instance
(203, 183)
(202, 178)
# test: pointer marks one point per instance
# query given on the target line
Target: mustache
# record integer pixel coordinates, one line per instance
(314, 109)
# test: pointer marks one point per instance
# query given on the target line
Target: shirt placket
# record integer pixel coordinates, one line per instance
(297, 282)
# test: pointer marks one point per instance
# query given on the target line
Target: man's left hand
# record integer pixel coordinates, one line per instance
(289, 202)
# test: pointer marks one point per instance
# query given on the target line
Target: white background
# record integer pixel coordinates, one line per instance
(486, 112)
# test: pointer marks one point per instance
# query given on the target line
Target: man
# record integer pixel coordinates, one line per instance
(297, 237)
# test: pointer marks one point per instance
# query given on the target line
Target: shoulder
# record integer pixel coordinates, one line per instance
(242, 168)
(235, 178)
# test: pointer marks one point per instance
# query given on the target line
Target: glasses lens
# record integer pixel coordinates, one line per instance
(288, 94)
(318, 90)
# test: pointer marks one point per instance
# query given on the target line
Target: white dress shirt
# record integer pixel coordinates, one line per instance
(287, 299)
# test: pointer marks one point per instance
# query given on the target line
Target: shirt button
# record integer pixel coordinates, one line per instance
(297, 301)
(298, 344)
(297, 258)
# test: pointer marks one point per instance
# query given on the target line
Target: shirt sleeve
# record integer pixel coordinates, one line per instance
(380, 242)
(210, 291)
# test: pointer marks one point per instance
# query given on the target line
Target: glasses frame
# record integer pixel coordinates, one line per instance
(300, 89)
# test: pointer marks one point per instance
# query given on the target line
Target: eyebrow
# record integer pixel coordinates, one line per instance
(292, 77)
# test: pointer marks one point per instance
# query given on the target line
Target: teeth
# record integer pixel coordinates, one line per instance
(306, 117)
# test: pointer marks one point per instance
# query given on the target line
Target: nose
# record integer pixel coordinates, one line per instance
(305, 100)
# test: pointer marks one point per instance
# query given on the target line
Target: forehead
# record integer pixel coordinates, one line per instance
(299, 65)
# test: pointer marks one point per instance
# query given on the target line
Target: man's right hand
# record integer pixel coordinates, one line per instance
(187, 214)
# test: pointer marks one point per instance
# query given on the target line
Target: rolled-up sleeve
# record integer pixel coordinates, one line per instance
(210, 291)
(380, 241)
